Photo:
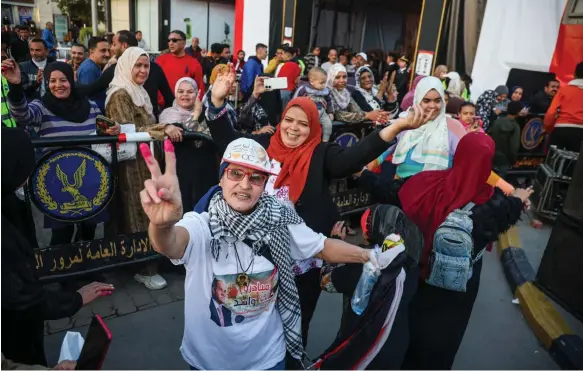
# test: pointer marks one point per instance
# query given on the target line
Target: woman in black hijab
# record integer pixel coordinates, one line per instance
(26, 304)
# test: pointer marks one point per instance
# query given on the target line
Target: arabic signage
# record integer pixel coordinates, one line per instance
(92, 255)
(71, 184)
(351, 200)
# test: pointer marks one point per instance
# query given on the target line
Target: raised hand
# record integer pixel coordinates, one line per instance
(161, 198)
(415, 119)
(222, 86)
(259, 87)
(11, 71)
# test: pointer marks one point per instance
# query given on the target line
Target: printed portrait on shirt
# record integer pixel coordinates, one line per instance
(232, 304)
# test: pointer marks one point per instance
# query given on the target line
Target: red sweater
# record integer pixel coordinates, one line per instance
(291, 71)
(177, 67)
(566, 108)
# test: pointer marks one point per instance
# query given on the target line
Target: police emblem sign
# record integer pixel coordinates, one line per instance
(71, 184)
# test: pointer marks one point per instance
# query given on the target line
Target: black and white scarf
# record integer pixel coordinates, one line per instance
(265, 226)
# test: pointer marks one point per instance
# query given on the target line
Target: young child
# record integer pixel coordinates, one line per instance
(506, 134)
(467, 116)
(320, 94)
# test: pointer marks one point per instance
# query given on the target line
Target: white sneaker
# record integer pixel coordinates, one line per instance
(155, 282)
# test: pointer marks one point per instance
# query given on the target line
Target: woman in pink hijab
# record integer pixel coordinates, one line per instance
(408, 98)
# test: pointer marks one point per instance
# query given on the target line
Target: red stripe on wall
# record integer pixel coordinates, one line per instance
(239, 7)
(568, 51)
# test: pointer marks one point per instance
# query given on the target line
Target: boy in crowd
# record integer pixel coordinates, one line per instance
(319, 93)
(467, 116)
(506, 134)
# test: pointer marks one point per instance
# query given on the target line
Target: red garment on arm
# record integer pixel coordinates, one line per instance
(176, 68)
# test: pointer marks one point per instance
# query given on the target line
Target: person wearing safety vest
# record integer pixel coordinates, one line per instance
(7, 119)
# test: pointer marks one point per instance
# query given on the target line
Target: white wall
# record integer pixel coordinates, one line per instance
(256, 15)
(501, 47)
(120, 15)
(43, 13)
(147, 21)
(196, 11)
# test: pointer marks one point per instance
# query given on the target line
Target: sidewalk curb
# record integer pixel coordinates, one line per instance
(546, 322)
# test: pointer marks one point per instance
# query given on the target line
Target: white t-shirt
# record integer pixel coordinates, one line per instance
(234, 328)
(282, 194)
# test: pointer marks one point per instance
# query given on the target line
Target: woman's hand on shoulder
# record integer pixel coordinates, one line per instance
(161, 198)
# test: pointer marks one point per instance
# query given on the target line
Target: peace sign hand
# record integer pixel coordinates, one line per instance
(161, 199)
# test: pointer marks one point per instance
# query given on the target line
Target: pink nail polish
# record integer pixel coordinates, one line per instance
(168, 146)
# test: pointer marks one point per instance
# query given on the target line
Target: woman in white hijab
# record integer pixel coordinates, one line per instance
(128, 102)
(345, 108)
(196, 160)
(430, 147)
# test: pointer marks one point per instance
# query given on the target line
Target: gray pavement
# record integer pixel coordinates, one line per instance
(147, 326)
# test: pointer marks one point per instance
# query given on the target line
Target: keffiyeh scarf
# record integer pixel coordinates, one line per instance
(266, 225)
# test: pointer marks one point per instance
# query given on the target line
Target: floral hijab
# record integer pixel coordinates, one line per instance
(340, 98)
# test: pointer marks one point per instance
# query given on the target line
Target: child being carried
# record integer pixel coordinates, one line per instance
(320, 94)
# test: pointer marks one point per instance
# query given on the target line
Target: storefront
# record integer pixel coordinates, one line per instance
(17, 11)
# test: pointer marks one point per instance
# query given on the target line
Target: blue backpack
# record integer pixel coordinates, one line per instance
(453, 246)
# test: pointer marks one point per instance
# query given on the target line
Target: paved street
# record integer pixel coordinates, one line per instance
(147, 326)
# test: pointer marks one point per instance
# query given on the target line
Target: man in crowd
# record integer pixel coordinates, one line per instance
(275, 61)
(215, 57)
(542, 100)
(226, 53)
(177, 63)
(194, 50)
(77, 57)
(74, 32)
(252, 69)
(332, 59)
(19, 49)
(291, 70)
(564, 118)
(90, 70)
(402, 78)
(155, 83)
(141, 42)
(361, 60)
(32, 70)
(49, 39)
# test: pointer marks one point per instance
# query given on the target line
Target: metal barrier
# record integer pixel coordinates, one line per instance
(56, 187)
(54, 262)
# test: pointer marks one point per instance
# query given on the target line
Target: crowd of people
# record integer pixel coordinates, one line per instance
(248, 210)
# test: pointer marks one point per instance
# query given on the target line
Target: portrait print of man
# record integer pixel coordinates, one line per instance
(220, 314)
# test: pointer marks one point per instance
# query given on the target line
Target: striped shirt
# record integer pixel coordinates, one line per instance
(36, 114)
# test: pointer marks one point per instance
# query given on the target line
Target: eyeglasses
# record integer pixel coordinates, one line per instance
(175, 40)
(237, 175)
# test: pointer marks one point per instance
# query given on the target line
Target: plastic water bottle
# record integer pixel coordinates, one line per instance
(367, 280)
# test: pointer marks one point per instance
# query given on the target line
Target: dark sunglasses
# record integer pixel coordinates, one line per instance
(175, 40)
(237, 175)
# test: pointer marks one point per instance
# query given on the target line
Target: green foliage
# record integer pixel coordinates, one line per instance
(80, 10)
(85, 34)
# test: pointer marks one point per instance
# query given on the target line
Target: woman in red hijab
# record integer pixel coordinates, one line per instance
(437, 317)
(305, 166)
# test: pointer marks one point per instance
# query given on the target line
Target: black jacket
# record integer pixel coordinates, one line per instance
(155, 83)
(19, 50)
(329, 161)
(540, 103)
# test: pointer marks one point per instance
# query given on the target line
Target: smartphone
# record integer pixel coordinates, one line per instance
(476, 122)
(275, 83)
(96, 346)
